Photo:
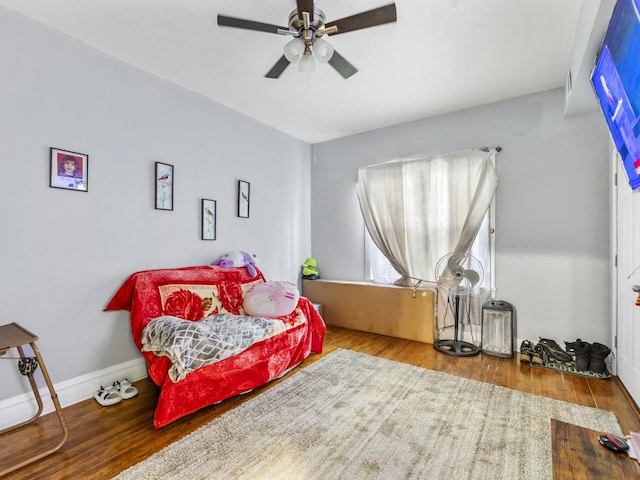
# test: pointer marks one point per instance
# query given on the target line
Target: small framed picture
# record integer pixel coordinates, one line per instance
(164, 186)
(208, 219)
(243, 198)
(69, 170)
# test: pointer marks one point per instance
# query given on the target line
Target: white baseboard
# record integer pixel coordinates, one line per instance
(17, 409)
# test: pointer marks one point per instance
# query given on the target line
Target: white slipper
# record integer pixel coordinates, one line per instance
(107, 396)
(125, 388)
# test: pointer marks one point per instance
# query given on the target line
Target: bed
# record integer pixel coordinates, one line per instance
(172, 296)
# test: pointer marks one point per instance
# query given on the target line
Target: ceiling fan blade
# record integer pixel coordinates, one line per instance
(305, 6)
(370, 18)
(225, 21)
(343, 67)
(278, 68)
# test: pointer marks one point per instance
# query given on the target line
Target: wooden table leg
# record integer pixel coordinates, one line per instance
(34, 387)
(56, 404)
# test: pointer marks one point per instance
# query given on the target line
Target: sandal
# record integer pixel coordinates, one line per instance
(526, 351)
(107, 396)
(125, 388)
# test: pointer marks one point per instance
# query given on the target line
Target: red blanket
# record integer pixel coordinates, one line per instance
(193, 293)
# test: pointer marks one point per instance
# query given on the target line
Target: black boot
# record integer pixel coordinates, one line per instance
(582, 352)
(599, 353)
(570, 347)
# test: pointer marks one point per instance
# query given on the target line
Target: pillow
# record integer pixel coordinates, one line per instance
(192, 301)
(189, 301)
(271, 299)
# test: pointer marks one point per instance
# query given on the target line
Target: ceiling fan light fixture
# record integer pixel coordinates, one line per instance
(322, 50)
(294, 50)
(307, 63)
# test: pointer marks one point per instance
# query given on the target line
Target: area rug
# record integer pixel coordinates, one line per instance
(354, 416)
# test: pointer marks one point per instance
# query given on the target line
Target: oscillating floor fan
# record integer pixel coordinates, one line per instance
(459, 276)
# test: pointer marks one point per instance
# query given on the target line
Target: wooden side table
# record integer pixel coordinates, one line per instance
(577, 455)
(13, 335)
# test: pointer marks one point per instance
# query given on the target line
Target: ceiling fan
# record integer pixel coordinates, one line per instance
(307, 26)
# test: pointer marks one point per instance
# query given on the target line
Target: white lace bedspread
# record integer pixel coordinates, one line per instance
(191, 345)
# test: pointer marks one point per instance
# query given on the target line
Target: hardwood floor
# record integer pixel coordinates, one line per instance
(105, 440)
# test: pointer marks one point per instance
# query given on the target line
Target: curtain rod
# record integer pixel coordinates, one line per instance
(486, 149)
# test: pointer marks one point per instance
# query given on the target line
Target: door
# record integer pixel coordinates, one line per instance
(628, 275)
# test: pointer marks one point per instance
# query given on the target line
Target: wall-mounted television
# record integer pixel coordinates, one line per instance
(616, 82)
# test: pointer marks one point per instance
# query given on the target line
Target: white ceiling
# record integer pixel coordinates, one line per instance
(440, 56)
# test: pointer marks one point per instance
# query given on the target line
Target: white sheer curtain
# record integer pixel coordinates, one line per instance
(418, 209)
(379, 270)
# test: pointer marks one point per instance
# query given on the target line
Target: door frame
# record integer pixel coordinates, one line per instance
(619, 285)
(613, 251)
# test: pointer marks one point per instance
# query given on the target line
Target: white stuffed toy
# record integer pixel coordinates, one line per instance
(271, 299)
(238, 258)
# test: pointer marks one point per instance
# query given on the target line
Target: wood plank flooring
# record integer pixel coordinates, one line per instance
(105, 440)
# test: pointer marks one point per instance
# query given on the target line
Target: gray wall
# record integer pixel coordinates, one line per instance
(64, 253)
(552, 218)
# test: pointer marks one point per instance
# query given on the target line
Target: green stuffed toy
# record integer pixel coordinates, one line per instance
(310, 269)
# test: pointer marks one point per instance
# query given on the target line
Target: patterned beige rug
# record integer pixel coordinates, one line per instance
(354, 416)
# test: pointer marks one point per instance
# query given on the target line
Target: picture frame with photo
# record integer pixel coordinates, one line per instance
(68, 170)
(208, 216)
(164, 180)
(244, 190)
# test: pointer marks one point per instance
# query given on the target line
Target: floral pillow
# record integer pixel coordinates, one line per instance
(190, 302)
(195, 301)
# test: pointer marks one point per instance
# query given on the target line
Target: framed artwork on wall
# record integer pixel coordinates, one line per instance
(243, 198)
(68, 170)
(208, 219)
(164, 186)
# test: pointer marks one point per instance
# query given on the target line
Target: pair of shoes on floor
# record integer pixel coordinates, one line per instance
(530, 353)
(589, 357)
(554, 352)
(115, 393)
(581, 351)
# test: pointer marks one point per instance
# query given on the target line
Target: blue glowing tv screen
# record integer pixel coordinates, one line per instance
(616, 82)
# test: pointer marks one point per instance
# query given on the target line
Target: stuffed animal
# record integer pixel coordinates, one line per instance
(271, 299)
(310, 269)
(238, 258)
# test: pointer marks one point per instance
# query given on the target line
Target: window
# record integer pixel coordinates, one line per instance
(378, 268)
(418, 209)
